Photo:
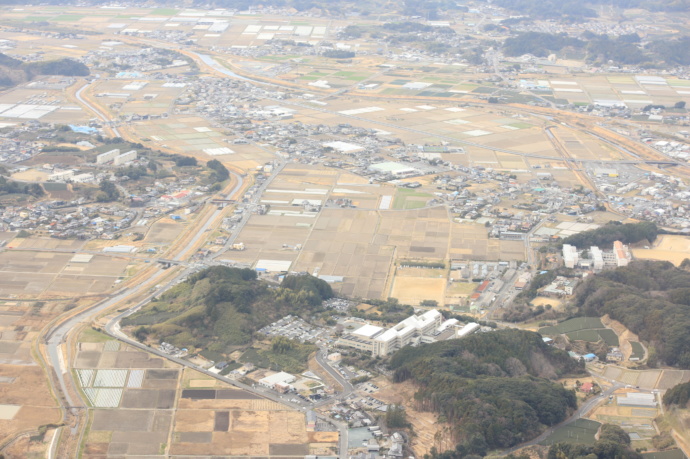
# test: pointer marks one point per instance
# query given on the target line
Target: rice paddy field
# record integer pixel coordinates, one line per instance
(146, 406)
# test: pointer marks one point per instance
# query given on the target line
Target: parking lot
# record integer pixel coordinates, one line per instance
(293, 328)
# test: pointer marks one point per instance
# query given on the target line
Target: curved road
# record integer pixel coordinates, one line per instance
(94, 109)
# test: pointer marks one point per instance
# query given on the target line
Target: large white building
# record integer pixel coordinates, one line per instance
(125, 158)
(425, 328)
(597, 258)
(570, 256)
(107, 156)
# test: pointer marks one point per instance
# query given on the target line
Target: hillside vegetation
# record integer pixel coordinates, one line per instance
(220, 308)
(652, 299)
(605, 236)
(494, 389)
(13, 71)
(678, 395)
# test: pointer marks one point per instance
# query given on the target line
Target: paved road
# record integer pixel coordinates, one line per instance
(321, 355)
(95, 110)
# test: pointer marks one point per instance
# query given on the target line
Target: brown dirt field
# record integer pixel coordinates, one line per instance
(194, 420)
(668, 248)
(249, 421)
(29, 390)
(222, 404)
(413, 290)
(425, 424)
(96, 449)
(287, 427)
(624, 335)
(323, 437)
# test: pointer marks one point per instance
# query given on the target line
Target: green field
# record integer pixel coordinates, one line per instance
(520, 125)
(580, 431)
(402, 199)
(572, 325)
(583, 329)
(68, 18)
(638, 350)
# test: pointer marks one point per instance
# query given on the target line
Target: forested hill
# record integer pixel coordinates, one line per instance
(494, 389)
(14, 71)
(651, 298)
(220, 308)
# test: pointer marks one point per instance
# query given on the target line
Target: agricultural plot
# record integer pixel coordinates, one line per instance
(26, 273)
(573, 325)
(580, 431)
(583, 329)
(637, 350)
(140, 404)
(647, 379)
(24, 391)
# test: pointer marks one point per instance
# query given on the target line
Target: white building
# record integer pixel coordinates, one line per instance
(279, 381)
(405, 332)
(621, 254)
(570, 256)
(61, 176)
(125, 158)
(107, 156)
(83, 178)
(468, 329)
(597, 258)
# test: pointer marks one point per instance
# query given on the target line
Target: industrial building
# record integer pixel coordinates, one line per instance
(279, 381)
(425, 328)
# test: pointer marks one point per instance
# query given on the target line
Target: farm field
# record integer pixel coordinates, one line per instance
(647, 379)
(580, 431)
(583, 329)
(141, 402)
(26, 398)
(27, 273)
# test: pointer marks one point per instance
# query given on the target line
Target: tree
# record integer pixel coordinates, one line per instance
(108, 192)
(679, 104)
(220, 172)
(182, 161)
(396, 417)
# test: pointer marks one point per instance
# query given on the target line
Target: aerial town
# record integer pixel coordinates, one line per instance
(336, 230)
